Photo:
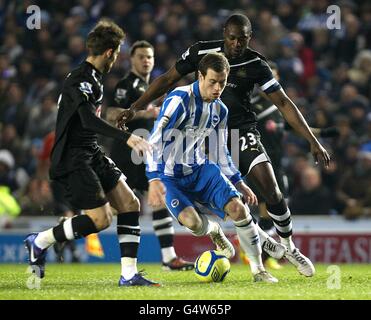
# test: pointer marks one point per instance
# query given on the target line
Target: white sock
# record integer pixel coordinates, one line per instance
(249, 240)
(288, 243)
(45, 239)
(128, 267)
(168, 254)
(262, 234)
(208, 226)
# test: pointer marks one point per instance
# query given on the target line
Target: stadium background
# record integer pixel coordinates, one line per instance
(325, 72)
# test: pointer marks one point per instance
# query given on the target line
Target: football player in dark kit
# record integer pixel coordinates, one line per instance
(272, 127)
(92, 181)
(128, 90)
(248, 68)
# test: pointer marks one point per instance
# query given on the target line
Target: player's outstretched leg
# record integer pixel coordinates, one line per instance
(281, 217)
(263, 177)
(164, 230)
(73, 228)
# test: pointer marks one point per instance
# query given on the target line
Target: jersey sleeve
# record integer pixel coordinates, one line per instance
(265, 78)
(224, 159)
(171, 116)
(79, 92)
(189, 60)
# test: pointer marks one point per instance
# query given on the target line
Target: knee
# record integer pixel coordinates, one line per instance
(191, 222)
(103, 221)
(274, 196)
(236, 210)
(133, 204)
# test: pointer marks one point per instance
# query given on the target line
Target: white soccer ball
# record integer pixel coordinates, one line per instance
(212, 266)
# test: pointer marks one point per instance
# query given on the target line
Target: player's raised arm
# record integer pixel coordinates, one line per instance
(91, 122)
(156, 89)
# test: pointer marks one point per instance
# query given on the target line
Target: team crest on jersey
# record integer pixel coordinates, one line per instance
(215, 120)
(174, 203)
(121, 93)
(86, 87)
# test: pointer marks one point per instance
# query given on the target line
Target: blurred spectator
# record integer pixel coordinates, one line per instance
(206, 29)
(360, 74)
(312, 197)
(14, 110)
(11, 141)
(269, 32)
(9, 207)
(11, 176)
(37, 200)
(355, 188)
(7, 174)
(42, 119)
(358, 109)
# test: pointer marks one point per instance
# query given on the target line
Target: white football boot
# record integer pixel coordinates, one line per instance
(264, 276)
(273, 248)
(223, 245)
(301, 262)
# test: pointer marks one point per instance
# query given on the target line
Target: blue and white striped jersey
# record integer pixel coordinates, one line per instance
(179, 134)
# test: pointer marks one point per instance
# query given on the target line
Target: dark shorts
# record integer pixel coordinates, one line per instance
(136, 176)
(87, 186)
(251, 151)
(135, 173)
(206, 185)
(60, 202)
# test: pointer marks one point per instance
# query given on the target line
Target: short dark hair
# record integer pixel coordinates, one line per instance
(140, 44)
(214, 61)
(105, 35)
(238, 20)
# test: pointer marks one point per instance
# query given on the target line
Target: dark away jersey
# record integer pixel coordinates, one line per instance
(247, 71)
(271, 126)
(74, 146)
(127, 91)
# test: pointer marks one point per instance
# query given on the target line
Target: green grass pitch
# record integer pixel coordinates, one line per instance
(99, 281)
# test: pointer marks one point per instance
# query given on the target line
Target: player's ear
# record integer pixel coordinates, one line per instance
(200, 76)
(109, 53)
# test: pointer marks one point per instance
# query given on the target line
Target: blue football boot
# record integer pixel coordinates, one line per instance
(36, 256)
(137, 280)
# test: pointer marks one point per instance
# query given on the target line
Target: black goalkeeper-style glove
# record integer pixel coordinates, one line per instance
(331, 132)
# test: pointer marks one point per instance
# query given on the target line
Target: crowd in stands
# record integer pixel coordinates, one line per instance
(326, 72)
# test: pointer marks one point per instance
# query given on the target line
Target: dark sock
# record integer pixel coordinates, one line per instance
(128, 231)
(163, 227)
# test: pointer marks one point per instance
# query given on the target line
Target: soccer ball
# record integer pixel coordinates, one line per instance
(212, 266)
